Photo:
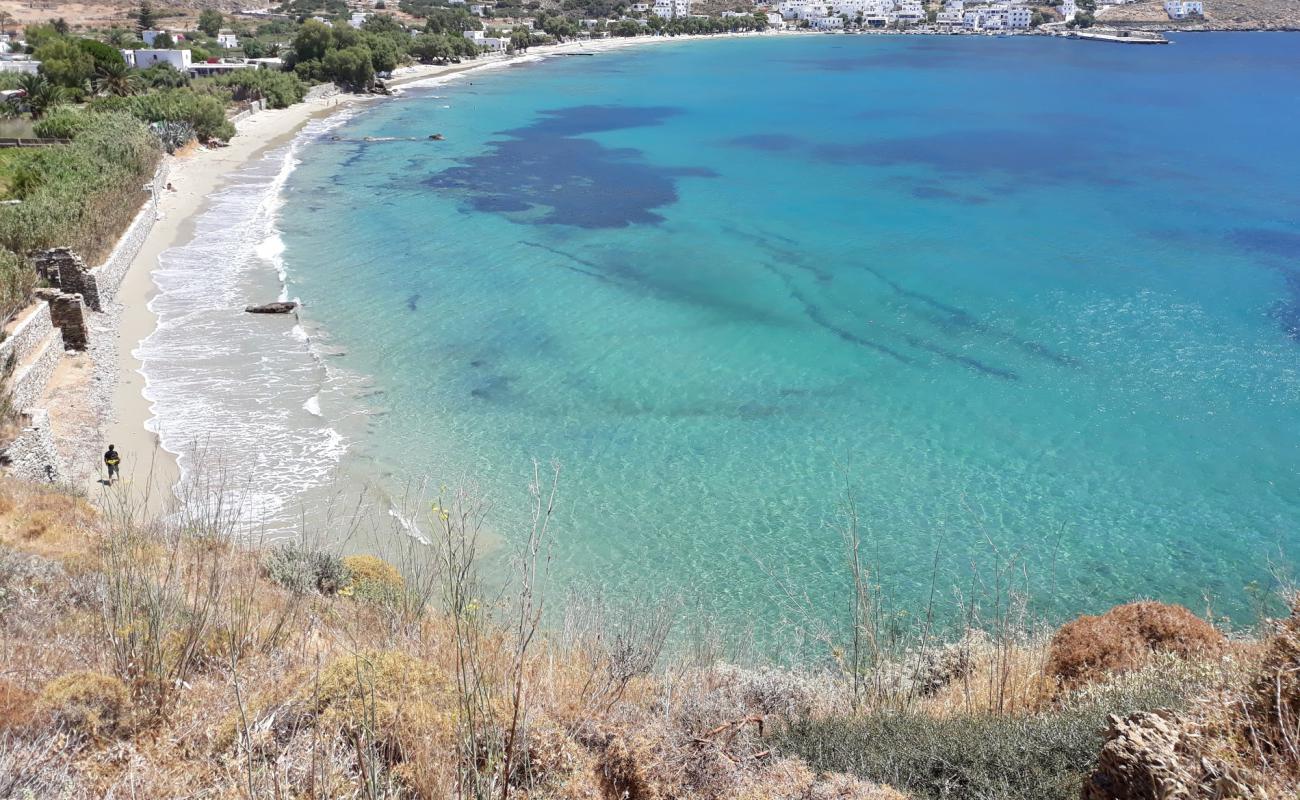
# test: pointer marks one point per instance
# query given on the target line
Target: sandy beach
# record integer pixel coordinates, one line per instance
(195, 176)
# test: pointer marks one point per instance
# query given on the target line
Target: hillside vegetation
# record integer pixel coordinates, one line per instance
(151, 659)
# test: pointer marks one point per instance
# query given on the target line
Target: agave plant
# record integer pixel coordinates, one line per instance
(173, 135)
(40, 96)
(116, 79)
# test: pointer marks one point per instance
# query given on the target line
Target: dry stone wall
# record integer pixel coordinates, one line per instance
(32, 456)
(28, 335)
(29, 379)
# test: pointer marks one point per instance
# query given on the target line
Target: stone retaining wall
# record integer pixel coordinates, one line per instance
(29, 379)
(108, 276)
(32, 455)
(28, 335)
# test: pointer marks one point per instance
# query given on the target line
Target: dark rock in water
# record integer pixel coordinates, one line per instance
(272, 308)
(437, 137)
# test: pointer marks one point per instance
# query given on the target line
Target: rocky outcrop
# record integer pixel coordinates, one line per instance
(1160, 756)
(272, 308)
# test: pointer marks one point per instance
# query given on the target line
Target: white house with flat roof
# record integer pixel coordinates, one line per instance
(1068, 9)
(672, 9)
(179, 60)
(827, 23)
(228, 40)
(949, 19)
(358, 19)
(1019, 17)
(1182, 9)
(20, 65)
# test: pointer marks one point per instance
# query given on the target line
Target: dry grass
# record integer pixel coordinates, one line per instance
(88, 703)
(45, 523)
(189, 672)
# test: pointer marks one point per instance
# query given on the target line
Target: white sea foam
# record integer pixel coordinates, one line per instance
(408, 525)
(225, 388)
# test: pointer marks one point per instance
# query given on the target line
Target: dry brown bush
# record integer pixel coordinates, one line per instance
(86, 702)
(1091, 648)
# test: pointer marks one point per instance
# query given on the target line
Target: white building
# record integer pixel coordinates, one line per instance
(179, 60)
(1068, 9)
(910, 12)
(949, 19)
(478, 9)
(1019, 17)
(358, 19)
(672, 9)
(828, 23)
(20, 65)
(776, 22)
(148, 36)
(1182, 9)
(228, 40)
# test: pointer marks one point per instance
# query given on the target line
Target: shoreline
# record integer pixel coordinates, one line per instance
(151, 470)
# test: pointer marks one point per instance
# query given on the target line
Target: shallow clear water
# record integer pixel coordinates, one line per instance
(1031, 299)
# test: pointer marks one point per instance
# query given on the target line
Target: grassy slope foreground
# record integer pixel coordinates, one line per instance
(149, 660)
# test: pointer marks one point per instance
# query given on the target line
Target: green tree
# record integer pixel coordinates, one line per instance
(383, 24)
(253, 48)
(210, 21)
(104, 55)
(164, 41)
(384, 55)
(163, 76)
(39, 35)
(41, 95)
(65, 64)
(61, 26)
(117, 80)
(145, 18)
(120, 37)
(451, 20)
(350, 67)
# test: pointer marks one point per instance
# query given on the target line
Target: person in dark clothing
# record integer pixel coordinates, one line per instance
(111, 460)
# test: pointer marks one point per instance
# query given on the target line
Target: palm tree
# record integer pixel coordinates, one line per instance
(116, 79)
(40, 95)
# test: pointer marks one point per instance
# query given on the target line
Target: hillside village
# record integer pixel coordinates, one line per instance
(261, 38)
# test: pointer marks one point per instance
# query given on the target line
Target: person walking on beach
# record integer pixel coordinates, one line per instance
(111, 460)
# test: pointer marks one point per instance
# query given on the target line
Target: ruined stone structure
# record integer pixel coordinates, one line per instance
(64, 269)
(67, 315)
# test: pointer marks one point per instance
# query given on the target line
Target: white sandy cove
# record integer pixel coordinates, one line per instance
(151, 471)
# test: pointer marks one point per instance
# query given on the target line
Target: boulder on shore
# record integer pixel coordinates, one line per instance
(272, 308)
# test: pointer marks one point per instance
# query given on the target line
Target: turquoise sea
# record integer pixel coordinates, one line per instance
(1027, 301)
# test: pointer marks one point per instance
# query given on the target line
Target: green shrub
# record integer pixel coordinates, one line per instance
(62, 123)
(17, 280)
(207, 113)
(302, 570)
(1044, 756)
(280, 89)
(163, 76)
(83, 194)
